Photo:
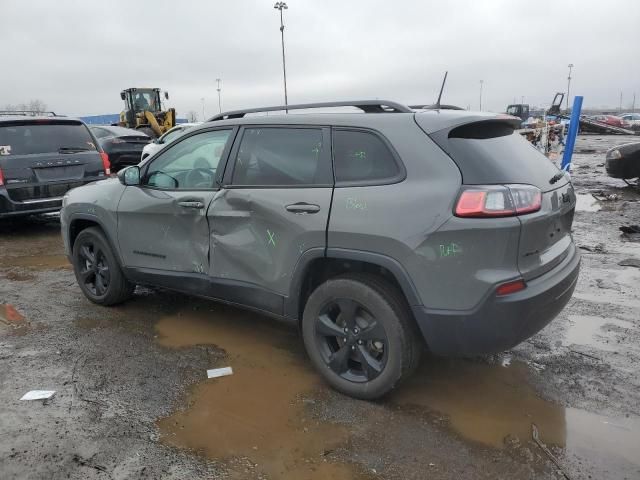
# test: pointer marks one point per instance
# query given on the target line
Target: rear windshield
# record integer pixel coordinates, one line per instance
(30, 138)
(491, 152)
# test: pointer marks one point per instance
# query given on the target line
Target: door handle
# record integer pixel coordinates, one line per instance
(302, 208)
(191, 204)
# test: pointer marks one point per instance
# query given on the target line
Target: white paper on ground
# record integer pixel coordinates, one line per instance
(219, 372)
(38, 395)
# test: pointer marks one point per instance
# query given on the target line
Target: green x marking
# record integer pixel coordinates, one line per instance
(272, 238)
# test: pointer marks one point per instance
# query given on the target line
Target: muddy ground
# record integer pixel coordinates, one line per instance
(132, 399)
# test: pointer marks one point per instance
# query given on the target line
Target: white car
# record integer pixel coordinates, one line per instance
(631, 119)
(168, 137)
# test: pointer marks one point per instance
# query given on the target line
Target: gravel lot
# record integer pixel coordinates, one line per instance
(133, 400)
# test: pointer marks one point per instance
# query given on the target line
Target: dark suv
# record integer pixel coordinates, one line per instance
(380, 232)
(41, 158)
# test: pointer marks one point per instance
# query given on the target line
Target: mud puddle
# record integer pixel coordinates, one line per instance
(17, 276)
(494, 404)
(258, 412)
(10, 317)
(37, 262)
(595, 332)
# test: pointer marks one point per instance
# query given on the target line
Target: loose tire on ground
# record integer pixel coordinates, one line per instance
(370, 374)
(97, 271)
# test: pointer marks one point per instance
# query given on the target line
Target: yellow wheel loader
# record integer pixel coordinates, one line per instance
(143, 111)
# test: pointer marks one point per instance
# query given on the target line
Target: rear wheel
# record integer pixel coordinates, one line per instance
(360, 336)
(98, 273)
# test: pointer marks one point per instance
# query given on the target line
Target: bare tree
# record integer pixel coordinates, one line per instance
(192, 116)
(36, 106)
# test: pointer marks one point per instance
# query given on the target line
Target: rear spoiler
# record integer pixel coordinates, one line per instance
(432, 121)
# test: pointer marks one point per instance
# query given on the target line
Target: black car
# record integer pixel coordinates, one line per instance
(623, 161)
(41, 158)
(123, 145)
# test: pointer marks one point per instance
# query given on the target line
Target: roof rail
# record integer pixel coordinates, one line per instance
(435, 106)
(367, 106)
(28, 113)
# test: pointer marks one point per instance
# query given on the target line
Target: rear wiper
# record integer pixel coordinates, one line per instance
(73, 149)
(556, 177)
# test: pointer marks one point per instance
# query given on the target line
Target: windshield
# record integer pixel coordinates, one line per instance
(49, 137)
(146, 100)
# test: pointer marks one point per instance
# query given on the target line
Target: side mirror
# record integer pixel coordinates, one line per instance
(129, 176)
(122, 95)
(166, 95)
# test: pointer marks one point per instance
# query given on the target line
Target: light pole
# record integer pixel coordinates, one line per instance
(202, 108)
(283, 6)
(481, 82)
(569, 84)
(218, 80)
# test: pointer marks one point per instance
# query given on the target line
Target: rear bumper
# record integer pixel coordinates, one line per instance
(500, 323)
(9, 208)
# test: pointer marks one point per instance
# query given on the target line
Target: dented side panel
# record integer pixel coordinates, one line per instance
(255, 239)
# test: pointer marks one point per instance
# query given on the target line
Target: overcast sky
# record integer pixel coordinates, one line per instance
(77, 55)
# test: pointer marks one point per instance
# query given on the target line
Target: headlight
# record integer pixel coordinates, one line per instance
(614, 154)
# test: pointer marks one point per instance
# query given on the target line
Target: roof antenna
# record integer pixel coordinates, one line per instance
(444, 80)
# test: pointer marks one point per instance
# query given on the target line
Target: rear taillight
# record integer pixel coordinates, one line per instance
(1, 178)
(105, 163)
(511, 287)
(486, 201)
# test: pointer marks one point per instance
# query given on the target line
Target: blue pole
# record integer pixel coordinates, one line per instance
(573, 133)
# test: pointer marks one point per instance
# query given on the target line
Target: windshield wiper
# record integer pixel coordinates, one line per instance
(73, 149)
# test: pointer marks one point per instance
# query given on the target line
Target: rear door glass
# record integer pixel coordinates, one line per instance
(278, 156)
(46, 137)
(362, 157)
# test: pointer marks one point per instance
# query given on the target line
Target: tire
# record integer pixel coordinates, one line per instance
(380, 342)
(97, 271)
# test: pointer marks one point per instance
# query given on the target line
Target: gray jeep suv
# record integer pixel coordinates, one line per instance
(379, 232)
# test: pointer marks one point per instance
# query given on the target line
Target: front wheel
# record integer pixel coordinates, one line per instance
(97, 271)
(360, 336)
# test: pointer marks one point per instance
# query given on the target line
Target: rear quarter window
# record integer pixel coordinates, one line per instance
(362, 157)
(492, 152)
(45, 137)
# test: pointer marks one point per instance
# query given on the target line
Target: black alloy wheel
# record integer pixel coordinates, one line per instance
(94, 268)
(352, 342)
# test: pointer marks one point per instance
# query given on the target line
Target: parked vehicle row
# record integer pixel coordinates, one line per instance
(381, 233)
(626, 120)
(123, 145)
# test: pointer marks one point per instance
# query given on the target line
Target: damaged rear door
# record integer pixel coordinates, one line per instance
(273, 209)
(162, 224)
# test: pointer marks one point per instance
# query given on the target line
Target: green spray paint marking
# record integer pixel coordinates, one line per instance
(450, 250)
(272, 238)
(361, 154)
(353, 203)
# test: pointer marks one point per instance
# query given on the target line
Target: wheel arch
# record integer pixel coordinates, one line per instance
(315, 266)
(79, 222)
